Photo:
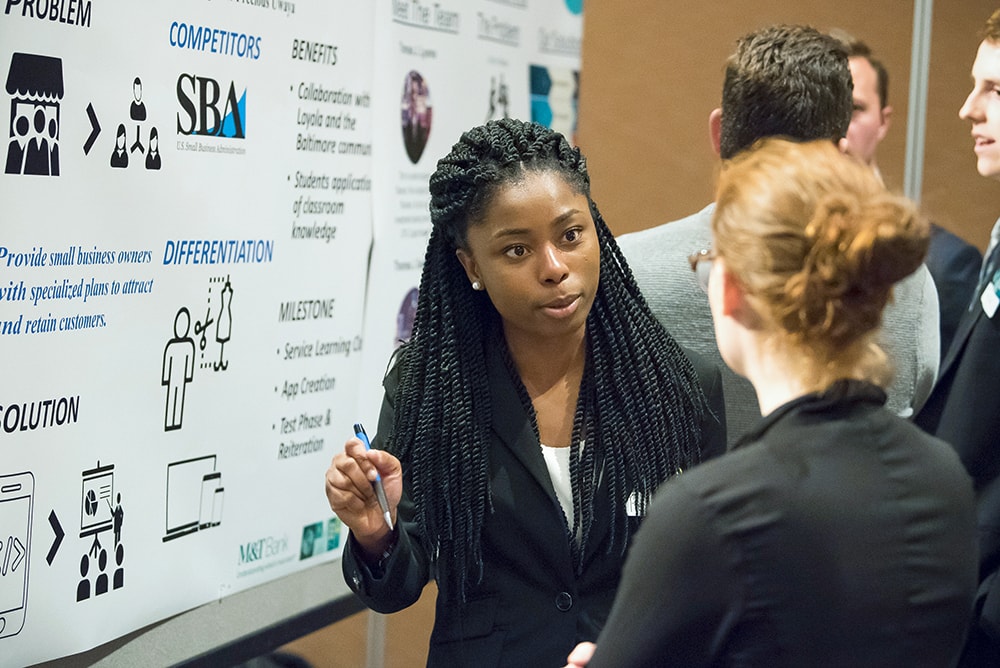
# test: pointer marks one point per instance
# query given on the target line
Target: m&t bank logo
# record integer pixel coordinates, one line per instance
(210, 109)
(262, 549)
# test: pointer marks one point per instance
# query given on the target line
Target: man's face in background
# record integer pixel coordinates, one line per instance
(870, 120)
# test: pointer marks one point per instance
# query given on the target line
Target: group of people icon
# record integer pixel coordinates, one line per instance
(101, 579)
(36, 85)
(137, 113)
(34, 144)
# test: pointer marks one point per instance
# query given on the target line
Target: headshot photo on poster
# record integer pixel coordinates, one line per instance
(416, 115)
(405, 317)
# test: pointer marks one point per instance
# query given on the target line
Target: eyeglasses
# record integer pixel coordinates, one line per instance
(701, 265)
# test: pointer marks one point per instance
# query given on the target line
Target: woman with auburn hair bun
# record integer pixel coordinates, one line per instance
(834, 533)
(816, 246)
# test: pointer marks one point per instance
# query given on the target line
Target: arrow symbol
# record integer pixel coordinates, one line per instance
(18, 546)
(58, 530)
(95, 129)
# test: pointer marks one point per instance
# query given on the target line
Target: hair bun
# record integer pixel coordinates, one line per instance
(858, 245)
(873, 239)
(901, 238)
(816, 239)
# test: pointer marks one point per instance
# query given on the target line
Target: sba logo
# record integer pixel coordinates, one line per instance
(206, 112)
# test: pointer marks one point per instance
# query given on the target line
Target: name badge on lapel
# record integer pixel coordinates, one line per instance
(990, 299)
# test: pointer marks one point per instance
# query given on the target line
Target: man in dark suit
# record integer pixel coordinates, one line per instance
(964, 407)
(953, 262)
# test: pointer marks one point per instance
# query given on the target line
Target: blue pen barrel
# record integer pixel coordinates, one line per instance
(359, 431)
(383, 503)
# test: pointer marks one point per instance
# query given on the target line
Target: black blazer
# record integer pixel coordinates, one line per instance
(530, 608)
(964, 410)
(954, 266)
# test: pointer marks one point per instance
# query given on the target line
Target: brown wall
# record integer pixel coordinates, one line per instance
(652, 73)
(345, 644)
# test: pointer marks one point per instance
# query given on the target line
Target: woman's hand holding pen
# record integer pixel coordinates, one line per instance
(352, 497)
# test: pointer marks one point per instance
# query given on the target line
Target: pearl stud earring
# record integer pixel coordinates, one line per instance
(476, 285)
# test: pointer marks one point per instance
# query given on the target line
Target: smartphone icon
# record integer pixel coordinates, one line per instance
(16, 496)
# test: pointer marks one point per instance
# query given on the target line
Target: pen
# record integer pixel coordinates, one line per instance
(359, 431)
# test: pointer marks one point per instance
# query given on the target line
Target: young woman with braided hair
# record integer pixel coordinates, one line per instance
(528, 420)
(834, 533)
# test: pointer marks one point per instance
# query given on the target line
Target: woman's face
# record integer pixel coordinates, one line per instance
(537, 255)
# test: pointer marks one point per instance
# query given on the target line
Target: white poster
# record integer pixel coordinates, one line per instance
(442, 68)
(554, 69)
(186, 223)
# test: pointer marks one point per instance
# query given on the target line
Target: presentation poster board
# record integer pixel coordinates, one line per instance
(442, 68)
(213, 220)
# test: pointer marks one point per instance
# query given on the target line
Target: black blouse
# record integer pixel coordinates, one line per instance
(834, 534)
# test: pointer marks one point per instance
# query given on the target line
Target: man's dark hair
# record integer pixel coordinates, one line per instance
(785, 80)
